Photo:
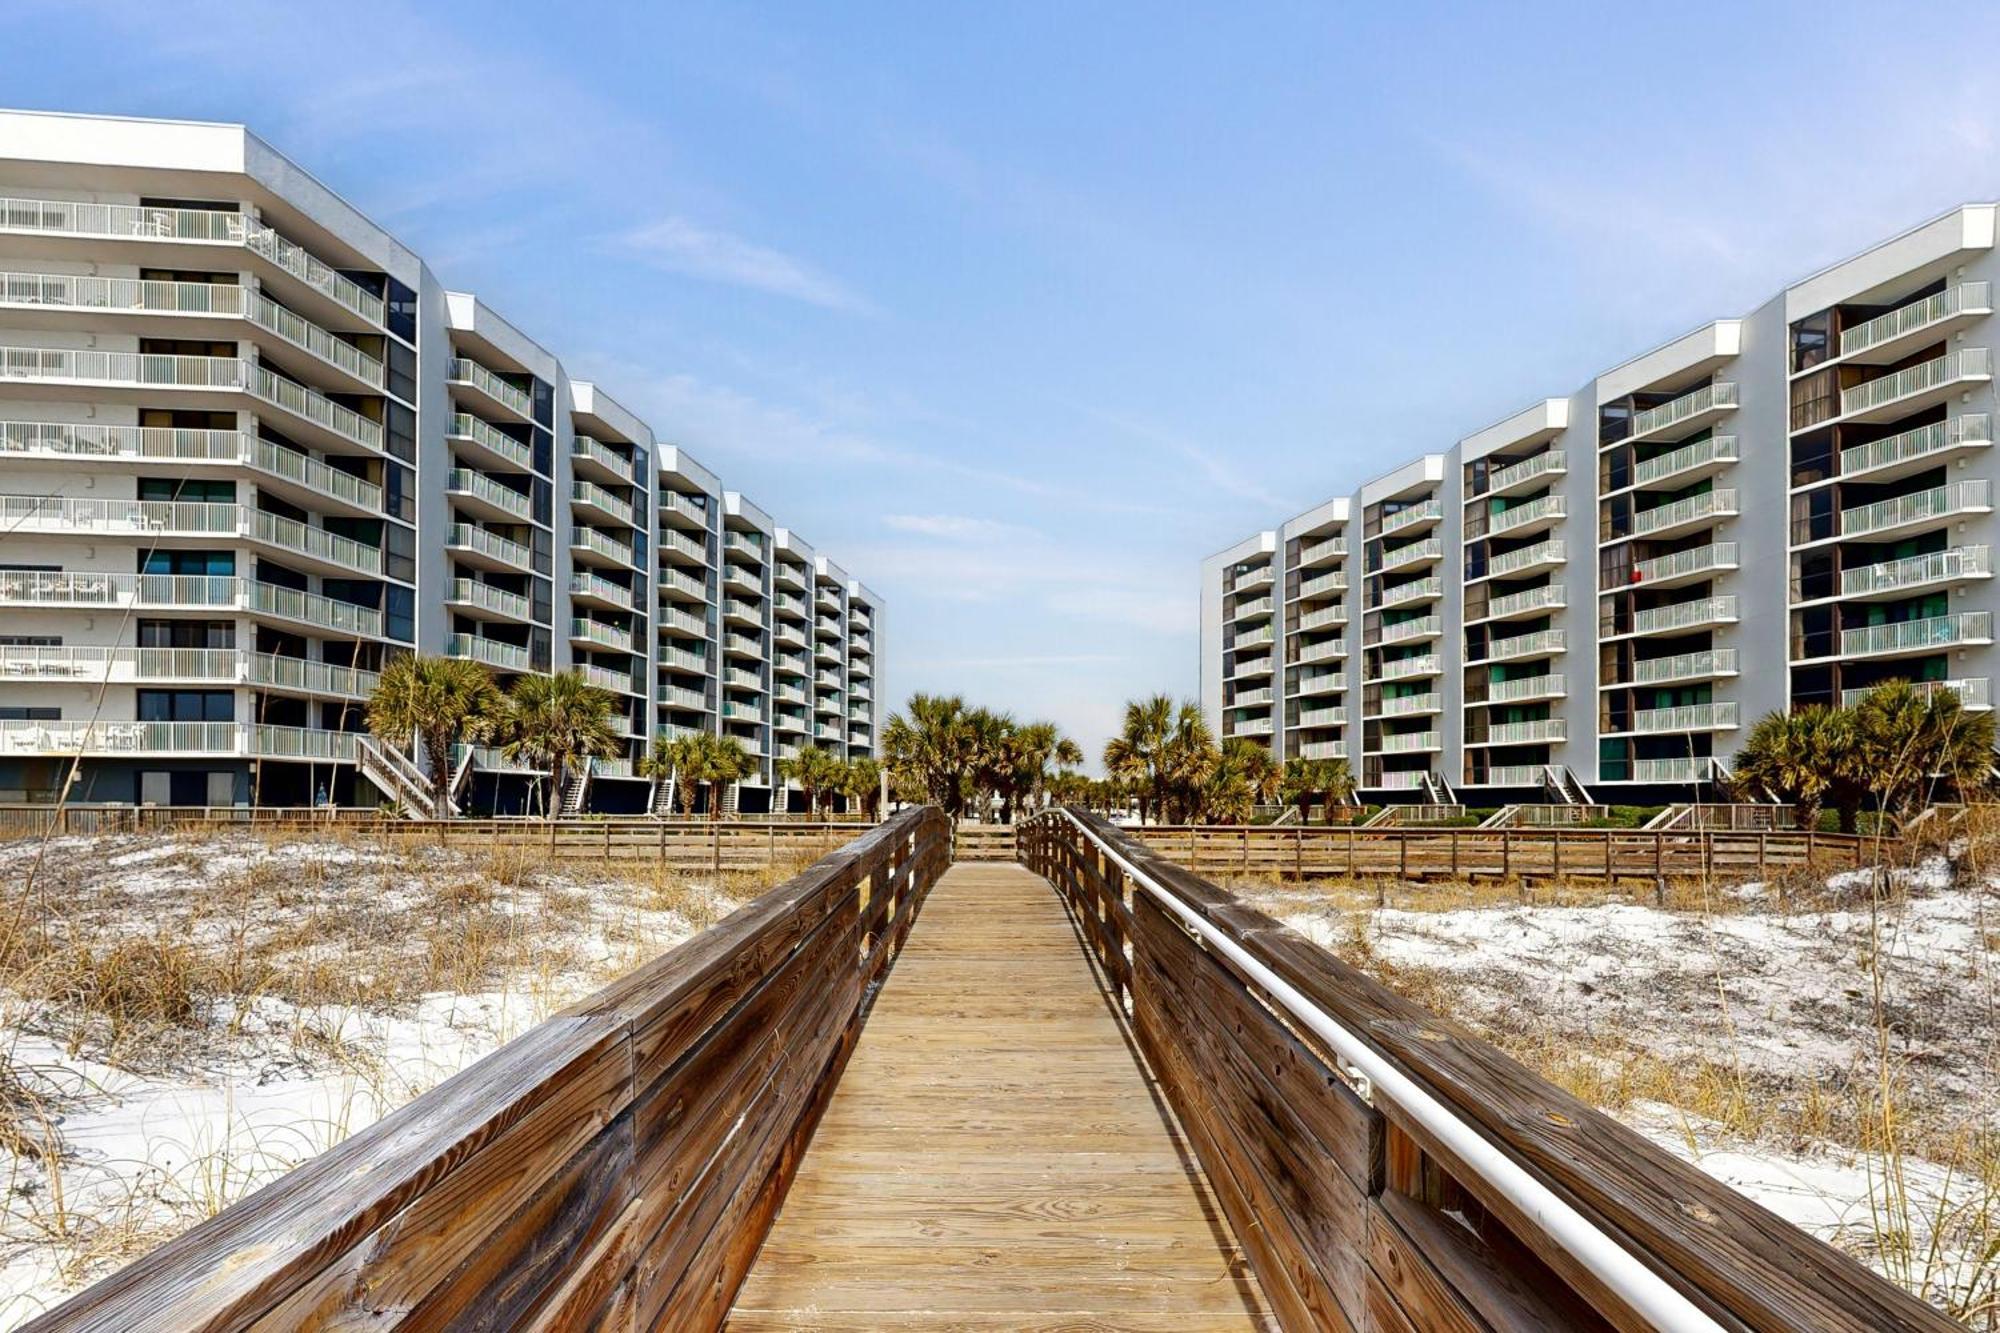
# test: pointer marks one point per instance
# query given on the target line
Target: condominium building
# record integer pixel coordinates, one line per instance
(1600, 594)
(251, 449)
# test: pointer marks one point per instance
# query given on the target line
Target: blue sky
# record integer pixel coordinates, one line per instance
(1019, 310)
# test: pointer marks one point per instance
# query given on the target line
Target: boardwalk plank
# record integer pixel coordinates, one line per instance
(994, 1156)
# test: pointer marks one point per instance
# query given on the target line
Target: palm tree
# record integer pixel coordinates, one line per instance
(928, 750)
(1189, 757)
(989, 740)
(816, 771)
(1796, 757)
(1138, 754)
(717, 761)
(861, 784)
(1907, 744)
(556, 721)
(442, 701)
(673, 762)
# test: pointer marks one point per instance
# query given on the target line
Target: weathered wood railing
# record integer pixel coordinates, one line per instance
(614, 1168)
(1294, 851)
(1385, 1170)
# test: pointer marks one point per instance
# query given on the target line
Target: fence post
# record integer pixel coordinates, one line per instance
(1350, 851)
(1246, 851)
(1299, 855)
(1454, 853)
(1607, 856)
(1760, 854)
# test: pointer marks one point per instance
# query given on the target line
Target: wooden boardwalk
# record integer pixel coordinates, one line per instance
(995, 1157)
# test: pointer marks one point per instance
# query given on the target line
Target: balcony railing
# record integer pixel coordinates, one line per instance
(1323, 549)
(1406, 705)
(1402, 668)
(464, 481)
(121, 665)
(1933, 309)
(493, 652)
(1318, 682)
(1956, 497)
(311, 338)
(1694, 560)
(276, 530)
(188, 738)
(1256, 638)
(1416, 590)
(1321, 584)
(1708, 398)
(465, 426)
(1409, 742)
(36, 513)
(685, 659)
(1703, 665)
(146, 222)
(1422, 512)
(1960, 364)
(1959, 562)
(1546, 598)
(590, 539)
(1322, 750)
(1714, 449)
(1685, 615)
(474, 538)
(1974, 693)
(315, 407)
(1548, 463)
(1521, 515)
(298, 673)
(1515, 775)
(310, 473)
(329, 613)
(1687, 717)
(1421, 627)
(584, 630)
(673, 539)
(1323, 717)
(1708, 504)
(584, 583)
(1250, 698)
(603, 455)
(1535, 644)
(1322, 618)
(1547, 686)
(1531, 732)
(1917, 635)
(1969, 431)
(1430, 548)
(464, 370)
(471, 592)
(590, 493)
(1397, 781)
(70, 440)
(1541, 553)
(1255, 609)
(1673, 770)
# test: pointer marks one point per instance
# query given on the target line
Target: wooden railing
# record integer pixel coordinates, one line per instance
(615, 1167)
(1384, 1170)
(1296, 851)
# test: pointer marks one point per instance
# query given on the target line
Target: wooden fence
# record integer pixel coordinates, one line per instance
(1369, 1206)
(1297, 852)
(615, 1167)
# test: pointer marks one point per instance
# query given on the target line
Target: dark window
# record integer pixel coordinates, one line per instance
(186, 706)
(399, 430)
(12, 713)
(401, 313)
(187, 562)
(1812, 337)
(400, 553)
(178, 488)
(402, 376)
(187, 634)
(399, 613)
(399, 492)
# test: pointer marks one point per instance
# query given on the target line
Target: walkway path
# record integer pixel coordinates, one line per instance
(994, 1157)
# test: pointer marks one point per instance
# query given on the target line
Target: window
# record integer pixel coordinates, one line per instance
(177, 488)
(186, 706)
(187, 634)
(187, 562)
(11, 713)
(30, 640)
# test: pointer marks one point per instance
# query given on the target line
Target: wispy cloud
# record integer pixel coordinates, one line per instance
(955, 527)
(680, 246)
(1208, 468)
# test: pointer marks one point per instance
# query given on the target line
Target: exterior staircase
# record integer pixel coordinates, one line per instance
(399, 778)
(665, 797)
(1563, 787)
(576, 789)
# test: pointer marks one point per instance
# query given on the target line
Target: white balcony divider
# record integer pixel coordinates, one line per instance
(464, 370)
(1548, 506)
(1959, 364)
(1694, 560)
(1547, 686)
(1719, 716)
(1705, 399)
(1548, 597)
(464, 481)
(1938, 306)
(1709, 504)
(465, 426)
(472, 537)
(1683, 615)
(1685, 666)
(1549, 462)
(1714, 449)
(1917, 635)
(1970, 430)
(1956, 497)
(1541, 553)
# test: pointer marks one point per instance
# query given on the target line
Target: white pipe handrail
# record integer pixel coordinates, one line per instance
(1644, 1291)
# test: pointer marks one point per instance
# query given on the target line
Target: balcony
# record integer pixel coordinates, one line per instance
(591, 542)
(467, 373)
(674, 657)
(1690, 462)
(190, 226)
(1530, 601)
(1680, 616)
(1688, 717)
(742, 645)
(1915, 450)
(1322, 750)
(1888, 337)
(1322, 717)
(1709, 664)
(1537, 731)
(1318, 552)
(1325, 617)
(1523, 689)
(1906, 390)
(1889, 577)
(1694, 564)
(687, 585)
(1521, 475)
(1398, 781)
(1257, 609)
(1918, 636)
(739, 612)
(1684, 515)
(1538, 643)
(1251, 579)
(1405, 668)
(1410, 705)
(1430, 548)
(1683, 770)
(1975, 695)
(1250, 698)
(490, 548)
(1318, 682)
(308, 608)
(221, 739)
(678, 542)
(1252, 726)
(138, 518)
(595, 457)
(494, 653)
(1514, 775)
(1416, 590)
(1528, 560)
(738, 711)
(1689, 411)
(1252, 669)
(1409, 742)
(330, 548)
(1413, 516)
(736, 678)
(590, 496)
(492, 445)
(748, 546)
(1918, 510)
(1537, 515)
(343, 423)
(688, 511)
(588, 586)
(303, 676)
(309, 474)
(1256, 638)
(1421, 627)
(487, 498)
(1323, 585)
(600, 635)
(475, 597)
